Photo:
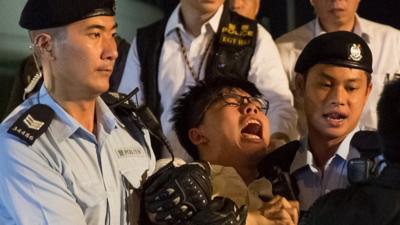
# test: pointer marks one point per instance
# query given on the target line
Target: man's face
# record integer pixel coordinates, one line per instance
(247, 8)
(337, 12)
(84, 58)
(234, 133)
(204, 6)
(334, 98)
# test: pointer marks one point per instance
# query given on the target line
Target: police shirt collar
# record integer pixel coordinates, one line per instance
(357, 29)
(64, 125)
(174, 21)
(305, 158)
(105, 116)
(345, 151)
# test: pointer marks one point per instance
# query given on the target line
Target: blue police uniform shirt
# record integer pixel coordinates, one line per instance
(69, 175)
(311, 181)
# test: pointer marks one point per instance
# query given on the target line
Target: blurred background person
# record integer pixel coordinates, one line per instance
(247, 8)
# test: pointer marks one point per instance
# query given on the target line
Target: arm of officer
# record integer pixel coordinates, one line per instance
(267, 74)
(131, 75)
(31, 191)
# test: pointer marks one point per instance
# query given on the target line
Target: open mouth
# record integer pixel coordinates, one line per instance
(335, 117)
(252, 130)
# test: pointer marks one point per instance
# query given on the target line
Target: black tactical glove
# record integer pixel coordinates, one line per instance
(220, 211)
(174, 194)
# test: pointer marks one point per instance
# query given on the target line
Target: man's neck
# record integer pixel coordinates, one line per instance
(323, 148)
(328, 26)
(83, 111)
(192, 19)
(248, 174)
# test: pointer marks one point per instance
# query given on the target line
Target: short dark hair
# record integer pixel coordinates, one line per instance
(389, 121)
(187, 109)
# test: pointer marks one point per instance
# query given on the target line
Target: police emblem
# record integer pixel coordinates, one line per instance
(355, 52)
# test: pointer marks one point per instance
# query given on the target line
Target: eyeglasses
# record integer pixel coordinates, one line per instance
(231, 99)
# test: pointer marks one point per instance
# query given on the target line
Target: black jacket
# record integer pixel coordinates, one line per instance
(374, 203)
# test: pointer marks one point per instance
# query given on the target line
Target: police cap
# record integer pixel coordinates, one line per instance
(42, 14)
(339, 48)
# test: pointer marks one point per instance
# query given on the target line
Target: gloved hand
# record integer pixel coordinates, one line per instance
(174, 194)
(220, 211)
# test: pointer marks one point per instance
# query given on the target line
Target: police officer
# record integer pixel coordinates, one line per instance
(334, 78)
(335, 15)
(375, 202)
(198, 41)
(66, 159)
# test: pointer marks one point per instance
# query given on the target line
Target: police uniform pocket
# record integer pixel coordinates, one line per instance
(90, 194)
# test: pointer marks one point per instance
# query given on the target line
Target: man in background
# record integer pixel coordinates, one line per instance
(377, 201)
(247, 8)
(199, 40)
(340, 15)
(335, 83)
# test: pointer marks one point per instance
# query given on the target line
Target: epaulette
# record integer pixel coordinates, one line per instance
(367, 143)
(33, 123)
(281, 157)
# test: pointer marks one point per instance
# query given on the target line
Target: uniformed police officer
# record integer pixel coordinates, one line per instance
(65, 158)
(333, 76)
(378, 201)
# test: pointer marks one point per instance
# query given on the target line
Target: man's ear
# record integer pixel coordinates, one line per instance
(197, 137)
(43, 44)
(300, 83)
(369, 88)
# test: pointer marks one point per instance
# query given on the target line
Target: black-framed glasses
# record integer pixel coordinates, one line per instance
(232, 99)
(239, 100)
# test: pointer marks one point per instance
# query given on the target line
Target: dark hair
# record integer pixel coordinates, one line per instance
(389, 121)
(188, 108)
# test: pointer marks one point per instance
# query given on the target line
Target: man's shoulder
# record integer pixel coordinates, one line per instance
(375, 28)
(298, 37)
(13, 116)
(25, 124)
(9, 141)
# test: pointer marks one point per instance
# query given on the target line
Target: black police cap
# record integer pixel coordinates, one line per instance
(339, 48)
(41, 14)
